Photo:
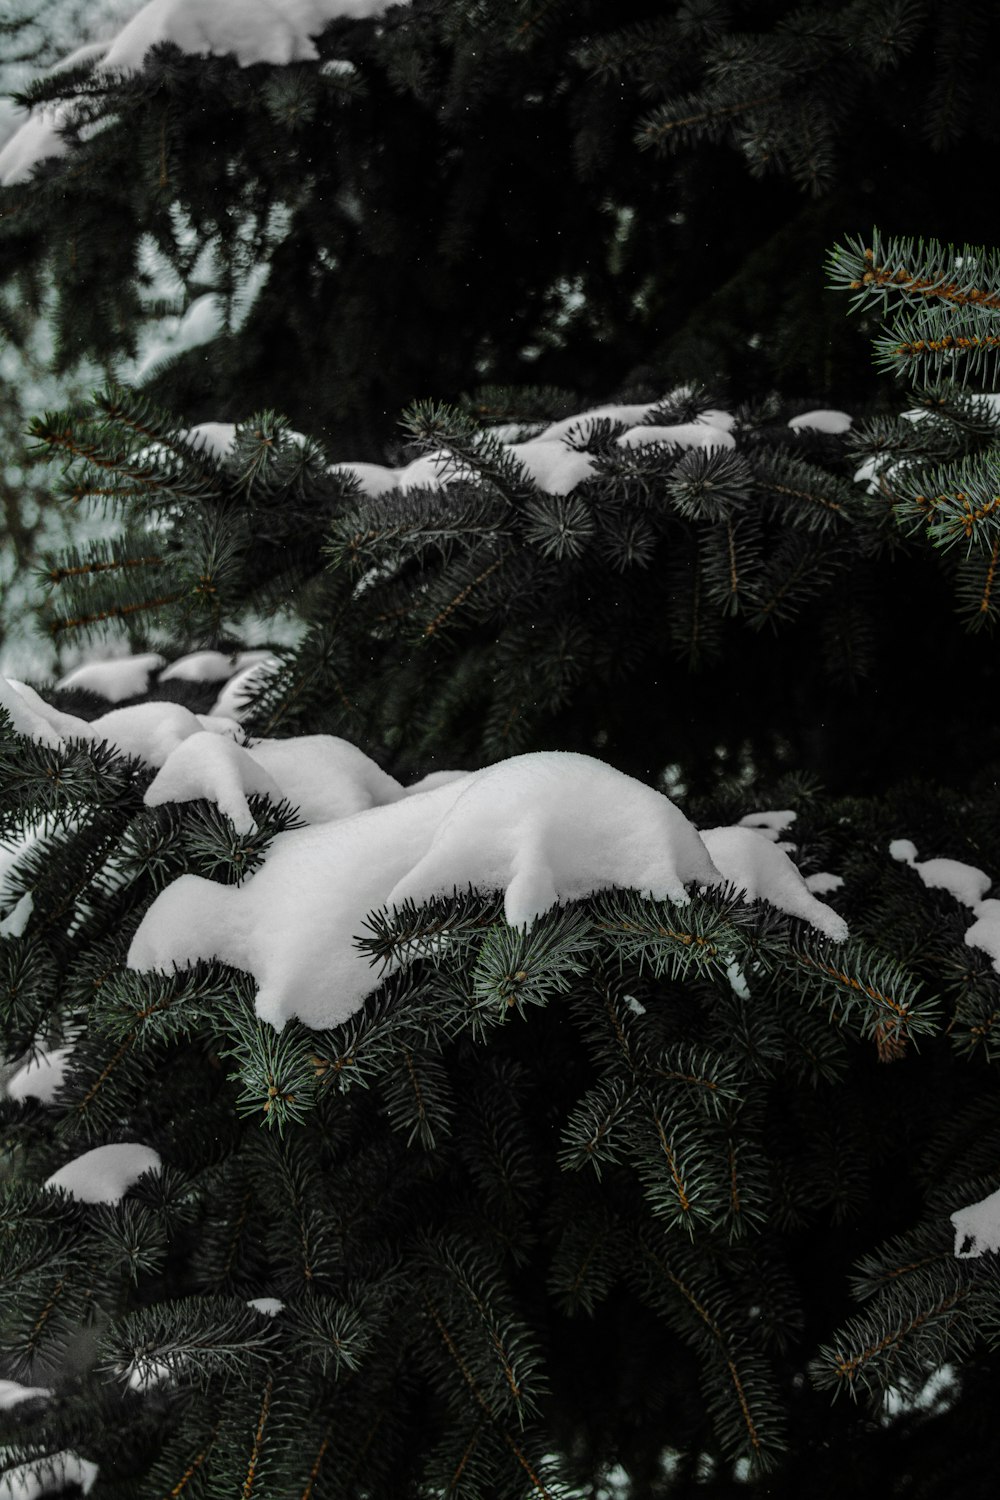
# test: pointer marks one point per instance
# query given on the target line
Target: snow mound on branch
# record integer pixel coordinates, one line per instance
(12, 1393)
(764, 872)
(965, 882)
(152, 731)
(977, 1228)
(124, 677)
(204, 765)
(254, 31)
(257, 31)
(105, 1174)
(544, 829)
(821, 421)
(40, 1078)
(968, 885)
(48, 1476)
(547, 459)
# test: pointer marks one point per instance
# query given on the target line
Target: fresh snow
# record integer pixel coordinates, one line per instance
(771, 824)
(821, 884)
(545, 829)
(40, 1077)
(123, 677)
(977, 1228)
(254, 31)
(48, 1476)
(105, 1174)
(964, 882)
(764, 872)
(821, 421)
(12, 1393)
(269, 1306)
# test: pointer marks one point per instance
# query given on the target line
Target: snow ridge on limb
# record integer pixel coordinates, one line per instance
(545, 829)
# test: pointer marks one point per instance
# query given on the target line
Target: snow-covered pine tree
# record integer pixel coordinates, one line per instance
(573, 1196)
(357, 183)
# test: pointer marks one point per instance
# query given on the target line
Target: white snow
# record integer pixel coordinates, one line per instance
(40, 1077)
(547, 459)
(201, 666)
(756, 866)
(544, 828)
(12, 1393)
(214, 437)
(821, 884)
(105, 1174)
(699, 434)
(255, 31)
(822, 420)
(965, 882)
(233, 701)
(206, 765)
(771, 824)
(16, 921)
(968, 885)
(977, 1228)
(198, 324)
(152, 731)
(48, 1476)
(124, 677)
(269, 1306)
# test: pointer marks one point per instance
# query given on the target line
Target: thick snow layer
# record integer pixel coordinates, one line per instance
(965, 882)
(32, 716)
(544, 829)
(756, 866)
(48, 1476)
(968, 885)
(152, 731)
(105, 1174)
(257, 31)
(700, 434)
(203, 666)
(124, 677)
(12, 1393)
(206, 765)
(40, 1078)
(771, 824)
(254, 31)
(16, 920)
(821, 421)
(977, 1228)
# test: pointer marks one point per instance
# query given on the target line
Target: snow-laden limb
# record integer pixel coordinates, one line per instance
(548, 459)
(977, 1228)
(269, 1306)
(105, 1174)
(544, 829)
(48, 1476)
(12, 1393)
(967, 884)
(278, 32)
(123, 677)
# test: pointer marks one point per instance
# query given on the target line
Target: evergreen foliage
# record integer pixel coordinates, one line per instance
(613, 1203)
(702, 157)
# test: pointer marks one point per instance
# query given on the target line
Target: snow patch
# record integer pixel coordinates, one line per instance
(822, 420)
(12, 1393)
(763, 872)
(105, 1174)
(124, 677)
(41, 1077)
(544, 829)
(977, 1228)
(48, 1476)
